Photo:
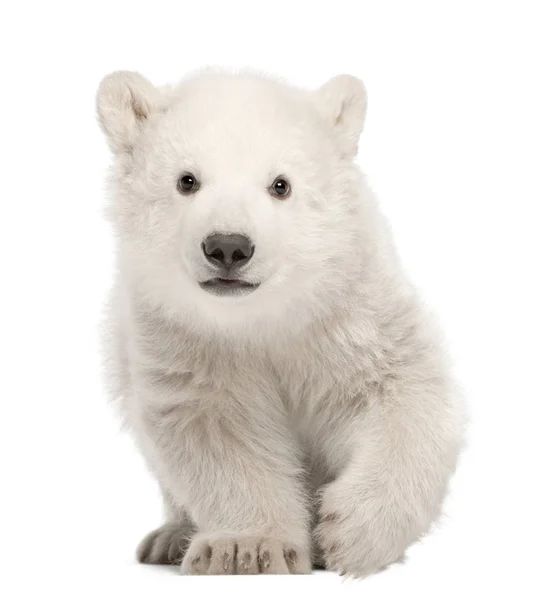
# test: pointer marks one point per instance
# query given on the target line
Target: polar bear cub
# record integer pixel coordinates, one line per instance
(278, 371)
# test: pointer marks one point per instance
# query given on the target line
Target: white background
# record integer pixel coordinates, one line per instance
(453, 146)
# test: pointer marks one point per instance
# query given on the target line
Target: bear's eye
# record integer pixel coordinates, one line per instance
(280, 188)
(187, 184)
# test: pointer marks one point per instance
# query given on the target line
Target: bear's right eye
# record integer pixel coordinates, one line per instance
(187, 184)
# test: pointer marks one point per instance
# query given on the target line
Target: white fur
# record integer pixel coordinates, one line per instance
(318, 407)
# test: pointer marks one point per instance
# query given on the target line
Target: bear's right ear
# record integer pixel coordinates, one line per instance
(124, 102)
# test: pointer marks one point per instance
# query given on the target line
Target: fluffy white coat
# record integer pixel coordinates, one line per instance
(313, 419)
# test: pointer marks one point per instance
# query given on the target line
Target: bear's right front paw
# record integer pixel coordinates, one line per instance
(227, 555)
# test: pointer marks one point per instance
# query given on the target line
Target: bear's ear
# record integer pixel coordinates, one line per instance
(124, 102)
(342, 101)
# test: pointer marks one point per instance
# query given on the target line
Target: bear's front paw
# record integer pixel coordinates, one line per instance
(227, 555)
(359, 538)
(165, 545)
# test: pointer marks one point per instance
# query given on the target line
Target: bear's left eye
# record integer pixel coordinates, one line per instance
(280, 188)
(187, 184)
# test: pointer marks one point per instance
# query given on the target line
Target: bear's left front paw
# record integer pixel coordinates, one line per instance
(357, 542)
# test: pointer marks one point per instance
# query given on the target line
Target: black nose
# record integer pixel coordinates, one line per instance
(228, 249)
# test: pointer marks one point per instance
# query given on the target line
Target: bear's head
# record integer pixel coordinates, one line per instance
(236, 201)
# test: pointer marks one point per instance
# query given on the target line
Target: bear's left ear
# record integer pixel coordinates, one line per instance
(342, 101)
(125, 100)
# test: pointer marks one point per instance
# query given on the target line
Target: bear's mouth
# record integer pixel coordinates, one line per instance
(228, 287)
